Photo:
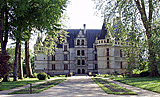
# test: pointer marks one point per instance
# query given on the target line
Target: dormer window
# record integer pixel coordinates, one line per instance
(78, 42)
(82, 42)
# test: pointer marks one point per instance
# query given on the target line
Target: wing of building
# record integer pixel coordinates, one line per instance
(86, 50)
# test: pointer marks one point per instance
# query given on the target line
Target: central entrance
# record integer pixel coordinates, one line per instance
(80, 71)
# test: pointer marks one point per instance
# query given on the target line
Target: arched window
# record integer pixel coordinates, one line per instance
(78, 52)
(82, 42)
(78, 62)
(78, 42)
(83, 53)
(83, 62)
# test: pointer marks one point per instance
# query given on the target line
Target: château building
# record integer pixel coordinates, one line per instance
(86, 50)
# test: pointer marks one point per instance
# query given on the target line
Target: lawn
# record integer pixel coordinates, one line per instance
(148, 83)
(13, 84)
(39, 88)
(111, 88)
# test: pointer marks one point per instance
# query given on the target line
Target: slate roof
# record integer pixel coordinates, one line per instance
(90, 35)
(103, 32)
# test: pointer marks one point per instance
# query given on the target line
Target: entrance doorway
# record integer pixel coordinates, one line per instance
(79, 71)
(83, 71)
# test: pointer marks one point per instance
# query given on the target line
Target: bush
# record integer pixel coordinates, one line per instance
(48, 76)
(35, 75)
(62, 75)
(42, 76)
(144, 74)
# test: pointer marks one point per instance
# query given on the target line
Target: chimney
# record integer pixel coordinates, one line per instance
(84, 28)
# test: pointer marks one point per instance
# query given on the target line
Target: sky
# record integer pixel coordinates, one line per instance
(82, 12)
(79, 12)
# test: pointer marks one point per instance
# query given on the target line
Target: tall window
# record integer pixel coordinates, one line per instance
(53, 67)
(65, 66)
(83, 53)
(107, 40)
(78, 62)
(65, 47)
(65, 57)
(83, 62)
(53, 57)
(82, 42)
(78, 52)
(107, 51)
(121, 65)
(107, 65)
(96, 67)
(120, 53)
(78, 42)
(107, 58)
(95, 57)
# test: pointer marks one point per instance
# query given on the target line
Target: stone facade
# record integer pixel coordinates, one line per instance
(85, 51)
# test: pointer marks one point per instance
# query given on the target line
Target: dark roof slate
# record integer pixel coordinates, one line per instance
(90, 35)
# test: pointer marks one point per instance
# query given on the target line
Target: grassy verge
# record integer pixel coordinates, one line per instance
(39, 88)
(148, 83)
(13, 84)
(113, 87)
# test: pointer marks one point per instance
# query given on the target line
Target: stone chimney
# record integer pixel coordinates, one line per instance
(84, 28)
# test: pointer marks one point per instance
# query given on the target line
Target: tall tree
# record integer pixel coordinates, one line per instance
(144, 13)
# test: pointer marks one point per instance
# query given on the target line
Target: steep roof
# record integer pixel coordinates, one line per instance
(90, 35)
(103, 31)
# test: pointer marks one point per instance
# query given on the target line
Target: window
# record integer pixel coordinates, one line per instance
(107, 40)
(78, 42)
(120, 53)
(78, 62)
(82, 42)
(115, 42)
(107, 65)
(65, 57)
(107, 58)
(53, 57)
(65, 66)
(83, 53)
(121, 66)
(107, 51)
(95, 56)
(83, 62)
(53, 67)
(96, 67)
(78, 52)
(65, 47)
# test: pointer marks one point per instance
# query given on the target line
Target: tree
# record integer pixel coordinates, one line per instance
(4, 66)
(143, 14)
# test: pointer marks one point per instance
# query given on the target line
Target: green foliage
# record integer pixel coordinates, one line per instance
(42, 76)
(62, 75)
(48, 76)
(137, 26)
(136, 71)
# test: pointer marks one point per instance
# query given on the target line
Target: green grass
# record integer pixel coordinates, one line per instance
(108, 91)
(148, 83)
(39, 88)
(13, 84)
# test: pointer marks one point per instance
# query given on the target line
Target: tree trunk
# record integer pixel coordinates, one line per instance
(15, 62)
(27, 57)
(20, 62)
(1, 28)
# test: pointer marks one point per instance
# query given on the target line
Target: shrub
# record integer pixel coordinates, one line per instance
(144, 74)
(35, 75)
(62, 75)
(42, 76)
(48, 76)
